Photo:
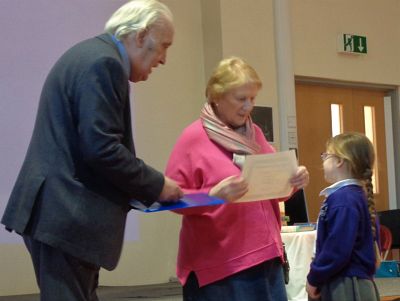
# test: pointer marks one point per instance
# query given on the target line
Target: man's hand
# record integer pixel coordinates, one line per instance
(170, 192)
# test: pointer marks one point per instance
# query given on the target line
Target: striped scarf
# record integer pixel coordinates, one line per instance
(227, 137)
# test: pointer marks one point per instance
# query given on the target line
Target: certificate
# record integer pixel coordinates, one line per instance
(268, 175)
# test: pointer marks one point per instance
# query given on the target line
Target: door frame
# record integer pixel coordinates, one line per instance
(392, 127)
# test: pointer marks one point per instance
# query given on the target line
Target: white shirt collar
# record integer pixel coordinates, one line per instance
(335, 186)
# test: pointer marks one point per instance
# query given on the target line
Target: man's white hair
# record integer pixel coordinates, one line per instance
(136, 15)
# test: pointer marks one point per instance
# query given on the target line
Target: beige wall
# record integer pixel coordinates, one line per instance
(247, 31)
(173, 96)
(316, 24)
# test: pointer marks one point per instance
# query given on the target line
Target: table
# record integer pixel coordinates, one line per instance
(299, 249)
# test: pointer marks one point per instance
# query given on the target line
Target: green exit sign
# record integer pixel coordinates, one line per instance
(351, 43)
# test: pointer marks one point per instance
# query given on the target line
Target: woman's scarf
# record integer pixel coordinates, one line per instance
(225, 136)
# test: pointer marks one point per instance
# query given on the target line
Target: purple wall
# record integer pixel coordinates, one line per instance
(34, 33)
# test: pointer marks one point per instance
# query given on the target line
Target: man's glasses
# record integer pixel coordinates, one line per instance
(325, 156)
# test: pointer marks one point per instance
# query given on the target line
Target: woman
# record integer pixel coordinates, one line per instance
(231, 251)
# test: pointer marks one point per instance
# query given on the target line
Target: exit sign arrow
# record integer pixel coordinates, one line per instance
(351, 43)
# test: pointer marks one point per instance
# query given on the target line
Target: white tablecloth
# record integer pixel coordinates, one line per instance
(299, 248)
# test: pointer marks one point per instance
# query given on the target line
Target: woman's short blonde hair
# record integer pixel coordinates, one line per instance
(136, 15)
(230, 73)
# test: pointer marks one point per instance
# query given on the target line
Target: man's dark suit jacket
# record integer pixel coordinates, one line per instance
(80, 170)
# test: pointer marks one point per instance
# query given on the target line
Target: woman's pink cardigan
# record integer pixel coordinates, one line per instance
(218, 241)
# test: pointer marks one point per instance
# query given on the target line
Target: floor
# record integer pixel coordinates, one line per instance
(160, 292)
(389, 289)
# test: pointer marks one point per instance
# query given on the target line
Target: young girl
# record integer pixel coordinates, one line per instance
(344, 262)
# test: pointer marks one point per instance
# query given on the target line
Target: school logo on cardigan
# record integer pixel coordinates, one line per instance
(323, 211)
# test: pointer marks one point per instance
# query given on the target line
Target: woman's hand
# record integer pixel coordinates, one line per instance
(312, 291)
(230, 189)
(301, 178)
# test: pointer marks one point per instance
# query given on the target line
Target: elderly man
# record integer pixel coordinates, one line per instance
(72, 195)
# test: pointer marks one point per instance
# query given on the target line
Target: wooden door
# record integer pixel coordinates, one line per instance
(374, 99)
(313, 110)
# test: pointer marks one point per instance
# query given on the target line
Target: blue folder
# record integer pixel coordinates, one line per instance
(187, 201)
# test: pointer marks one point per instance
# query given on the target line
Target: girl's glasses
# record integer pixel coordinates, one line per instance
(325, 156)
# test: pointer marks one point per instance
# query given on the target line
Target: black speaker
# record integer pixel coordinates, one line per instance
(391, 219)
(296, 208)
